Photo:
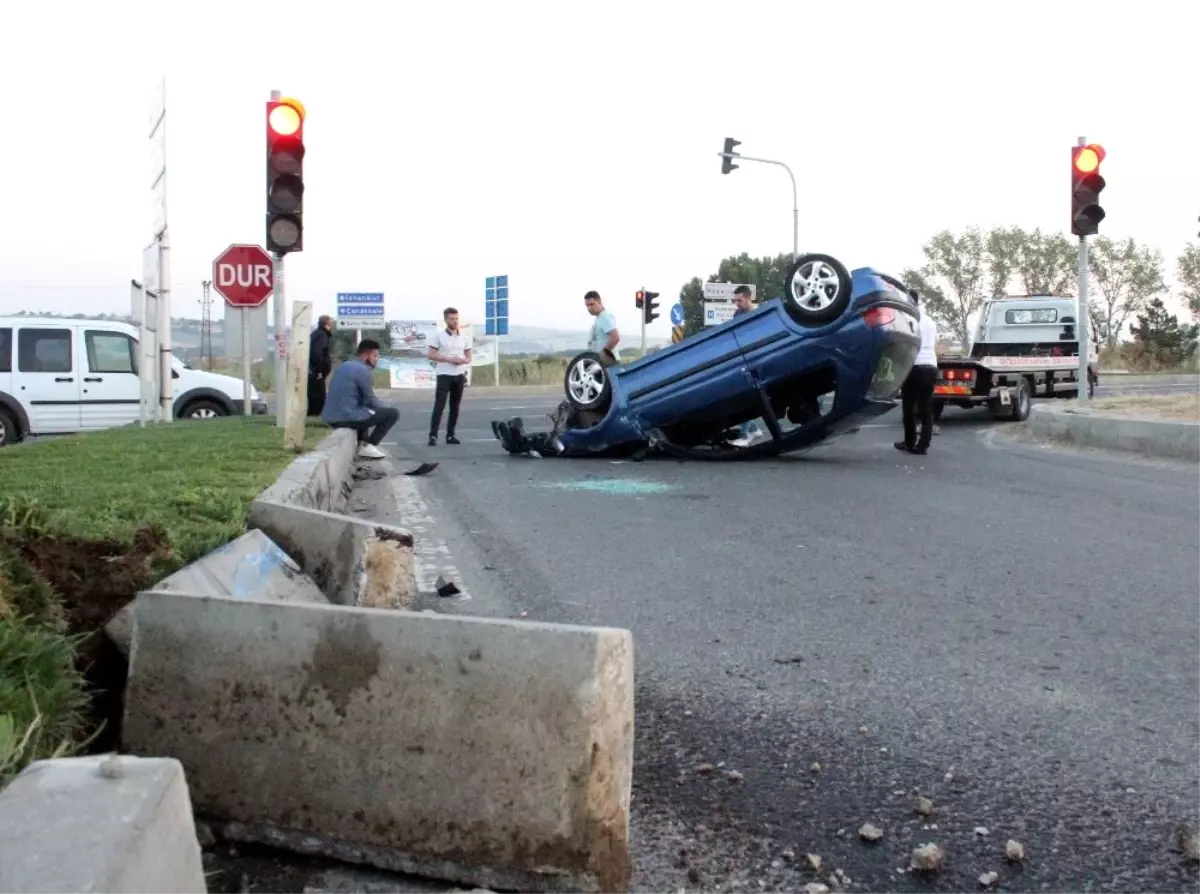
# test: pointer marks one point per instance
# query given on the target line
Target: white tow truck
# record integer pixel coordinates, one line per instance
(1024, 346)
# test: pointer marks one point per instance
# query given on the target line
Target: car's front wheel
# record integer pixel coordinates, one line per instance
(818, 289)
(204, 409)
(587, 383)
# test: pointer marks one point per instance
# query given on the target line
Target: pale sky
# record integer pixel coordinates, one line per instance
(574, 146)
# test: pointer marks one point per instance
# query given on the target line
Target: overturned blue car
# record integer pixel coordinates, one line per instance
(829, 355)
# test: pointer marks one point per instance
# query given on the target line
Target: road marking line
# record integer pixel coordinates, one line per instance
(431, 554)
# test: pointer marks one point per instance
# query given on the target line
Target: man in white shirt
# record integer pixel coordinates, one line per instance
(604, 336)
(917, 393)
(451, 352)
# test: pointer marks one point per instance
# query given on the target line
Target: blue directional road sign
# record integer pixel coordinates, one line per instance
(362, 310)
(495, 305)
(676, 314)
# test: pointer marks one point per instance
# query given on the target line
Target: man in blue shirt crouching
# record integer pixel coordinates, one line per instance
(351, 402)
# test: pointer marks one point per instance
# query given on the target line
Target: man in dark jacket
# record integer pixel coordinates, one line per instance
(320, 364)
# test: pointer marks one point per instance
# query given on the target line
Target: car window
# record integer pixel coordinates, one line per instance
(110, 352)
(5, 350)
(44, 350)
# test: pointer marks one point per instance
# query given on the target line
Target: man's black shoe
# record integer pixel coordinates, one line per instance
(433, 440)
(900, 445)
(450, 439)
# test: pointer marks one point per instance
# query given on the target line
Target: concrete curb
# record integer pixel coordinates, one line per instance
(102, 823)
(477, 750)
(353, 561)
(1151, 437)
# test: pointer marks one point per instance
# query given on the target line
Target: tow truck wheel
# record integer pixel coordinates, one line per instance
(1022, 401)
(817, 289)
(938, 406)
(586, 382)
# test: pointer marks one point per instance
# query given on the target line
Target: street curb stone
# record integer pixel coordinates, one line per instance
(1151, 437)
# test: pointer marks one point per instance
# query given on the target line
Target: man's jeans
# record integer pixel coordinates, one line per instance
(372, 431)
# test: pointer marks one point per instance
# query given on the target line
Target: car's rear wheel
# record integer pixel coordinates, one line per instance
(587, 383)
(204, 409)
(818, 289)
(9, 433)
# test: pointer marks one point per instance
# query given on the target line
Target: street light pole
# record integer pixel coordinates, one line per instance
(795, 201)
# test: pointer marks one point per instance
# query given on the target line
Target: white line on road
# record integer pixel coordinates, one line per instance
(431, 554)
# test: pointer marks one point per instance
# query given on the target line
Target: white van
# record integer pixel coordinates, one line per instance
(59, 376)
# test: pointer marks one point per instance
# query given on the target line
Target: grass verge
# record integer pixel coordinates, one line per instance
(1174, 407)
(85, 522)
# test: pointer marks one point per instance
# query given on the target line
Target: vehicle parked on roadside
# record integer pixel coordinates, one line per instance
(1024, 346)
(59, 376)
(827, 356)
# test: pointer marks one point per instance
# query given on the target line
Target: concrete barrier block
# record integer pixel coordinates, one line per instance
(353, 561)
(1163, 438)
(104, 823)
(320, 479)
(251, 567)
(489, 752)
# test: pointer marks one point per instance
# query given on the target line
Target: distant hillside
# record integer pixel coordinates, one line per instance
(185, 336)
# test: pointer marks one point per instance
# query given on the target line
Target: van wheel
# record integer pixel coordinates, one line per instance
(204, 409)
(9, 433)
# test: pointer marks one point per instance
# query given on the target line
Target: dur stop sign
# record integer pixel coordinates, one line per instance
(244, 275)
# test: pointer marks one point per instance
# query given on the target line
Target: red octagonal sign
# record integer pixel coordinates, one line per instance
(244, 275)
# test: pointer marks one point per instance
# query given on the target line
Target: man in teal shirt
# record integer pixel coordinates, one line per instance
(604, 337)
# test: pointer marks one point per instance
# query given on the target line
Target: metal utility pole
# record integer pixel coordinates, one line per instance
(1086, 215)
(728, 166)
(206, 325)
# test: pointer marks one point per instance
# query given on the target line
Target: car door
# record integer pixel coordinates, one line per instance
(110, 390)
(47, 378)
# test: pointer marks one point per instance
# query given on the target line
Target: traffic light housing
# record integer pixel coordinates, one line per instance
(649, 306)
(727, 164)
(285, 176)
(1086, 185)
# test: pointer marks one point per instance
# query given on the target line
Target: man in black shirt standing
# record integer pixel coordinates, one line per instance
(320, 364)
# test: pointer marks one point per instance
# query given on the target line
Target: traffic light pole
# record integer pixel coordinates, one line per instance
(1083, 325)
(795, 201)
(643, 332)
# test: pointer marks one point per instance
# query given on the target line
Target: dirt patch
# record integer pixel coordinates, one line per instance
(1175, 407)
(90, 580)
(94, 579)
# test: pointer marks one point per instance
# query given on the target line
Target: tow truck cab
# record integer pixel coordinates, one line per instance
(1024, 346)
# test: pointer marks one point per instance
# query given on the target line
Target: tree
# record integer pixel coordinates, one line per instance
(1043, 264)
(951, 281)
(1159, 339)
(1127, 276)
(768, 275)
(1188, 271)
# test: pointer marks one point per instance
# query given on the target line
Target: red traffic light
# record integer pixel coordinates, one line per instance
(1087, 158)
(640, 297)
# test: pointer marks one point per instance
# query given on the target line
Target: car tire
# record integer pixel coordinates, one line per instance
(204, 409)
(587, 383)
(938, 407)
(816, 289)
(9, 433)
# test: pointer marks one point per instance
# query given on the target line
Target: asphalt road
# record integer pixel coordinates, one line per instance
(1010, 629)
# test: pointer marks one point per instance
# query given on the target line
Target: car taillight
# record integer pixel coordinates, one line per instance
(959, 375)
(879, 316)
